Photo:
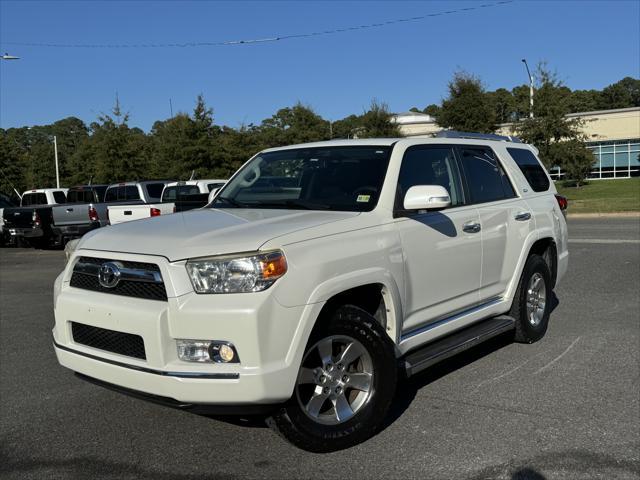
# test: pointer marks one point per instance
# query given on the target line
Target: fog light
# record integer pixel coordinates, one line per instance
(226, 353)
(207, 351)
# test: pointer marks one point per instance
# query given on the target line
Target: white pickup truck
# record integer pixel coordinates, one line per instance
(309, 299)
(123, 197)
(172, 191)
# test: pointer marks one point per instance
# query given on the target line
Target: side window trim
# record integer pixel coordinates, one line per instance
(467, 190)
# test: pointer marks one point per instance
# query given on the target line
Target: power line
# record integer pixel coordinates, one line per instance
(258, 40)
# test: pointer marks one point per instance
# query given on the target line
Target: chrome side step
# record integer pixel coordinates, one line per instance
(446, 347)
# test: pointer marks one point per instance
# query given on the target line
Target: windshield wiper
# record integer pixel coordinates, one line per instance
(232, 201)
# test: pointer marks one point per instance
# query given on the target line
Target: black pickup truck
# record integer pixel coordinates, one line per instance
(32, 221)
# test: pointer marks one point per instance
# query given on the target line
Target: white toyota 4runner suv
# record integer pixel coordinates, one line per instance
(308, 298)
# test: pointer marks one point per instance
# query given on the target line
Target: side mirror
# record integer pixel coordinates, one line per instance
(427, 197)
(212, 195)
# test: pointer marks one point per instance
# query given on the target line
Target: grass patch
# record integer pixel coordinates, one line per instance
(603, 196)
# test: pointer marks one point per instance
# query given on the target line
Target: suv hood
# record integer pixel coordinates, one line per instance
(207, 232)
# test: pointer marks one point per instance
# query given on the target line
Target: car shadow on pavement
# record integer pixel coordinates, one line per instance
(408, 387)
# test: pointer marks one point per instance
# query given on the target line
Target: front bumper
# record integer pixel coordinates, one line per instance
(269, 338)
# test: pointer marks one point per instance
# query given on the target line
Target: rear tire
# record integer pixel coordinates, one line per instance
(532, 302)
(345, 386)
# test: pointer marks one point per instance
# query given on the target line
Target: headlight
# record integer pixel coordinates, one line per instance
(69, 248)
(236, 273)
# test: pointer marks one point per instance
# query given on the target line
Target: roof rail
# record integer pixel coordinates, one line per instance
(477, 136)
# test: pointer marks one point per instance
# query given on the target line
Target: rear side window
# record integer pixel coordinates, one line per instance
(100, 193)
(426, 165)
(531, 168)
(154, 190)
(486, 180)
(34, 199)
(59, 197)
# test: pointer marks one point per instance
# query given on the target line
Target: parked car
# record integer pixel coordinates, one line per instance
(32, 221)
(196, 190)
(5, 201)
(303, 301)
(83, 211)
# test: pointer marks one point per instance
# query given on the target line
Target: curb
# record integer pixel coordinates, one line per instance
(601, 215)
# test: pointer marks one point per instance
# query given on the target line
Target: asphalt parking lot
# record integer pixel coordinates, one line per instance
(565, 407)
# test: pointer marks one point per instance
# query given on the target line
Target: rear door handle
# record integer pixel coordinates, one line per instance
(471, 227)
(69, 209)
(523, 216)
(128, 212)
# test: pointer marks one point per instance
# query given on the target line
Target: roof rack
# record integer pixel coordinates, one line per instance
(477, 136)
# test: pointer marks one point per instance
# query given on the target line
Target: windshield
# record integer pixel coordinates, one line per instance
(326, 178)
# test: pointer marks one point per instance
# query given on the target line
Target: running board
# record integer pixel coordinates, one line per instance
(455, 343)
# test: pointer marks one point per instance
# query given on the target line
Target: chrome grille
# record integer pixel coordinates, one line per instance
(137, 279)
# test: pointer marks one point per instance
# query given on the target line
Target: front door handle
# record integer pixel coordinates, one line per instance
(471, 227)
(523, 216)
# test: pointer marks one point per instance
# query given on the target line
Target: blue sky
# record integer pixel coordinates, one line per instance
(590, 43)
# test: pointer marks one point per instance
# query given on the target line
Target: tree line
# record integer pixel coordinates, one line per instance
(111, 150)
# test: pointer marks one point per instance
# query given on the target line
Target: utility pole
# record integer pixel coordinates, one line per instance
(55, 150)
(524, 60)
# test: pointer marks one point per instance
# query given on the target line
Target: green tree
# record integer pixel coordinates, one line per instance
(622, 94)
(558, 138)
(297, 124)
(467, 108)
(503, 104)
(577, 161)
(118, 152)
(376, 122)
(584, 101)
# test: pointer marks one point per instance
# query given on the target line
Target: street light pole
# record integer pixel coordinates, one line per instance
(524, 60)
(55, 150)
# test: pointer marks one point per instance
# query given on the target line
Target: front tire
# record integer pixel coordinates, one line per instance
(345, 385)
(532, 303)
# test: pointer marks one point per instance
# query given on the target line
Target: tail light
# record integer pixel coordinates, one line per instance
(93, 214)
(563, 203)
(155, 212)
(174, 209)
(108, 219)
(36, 219)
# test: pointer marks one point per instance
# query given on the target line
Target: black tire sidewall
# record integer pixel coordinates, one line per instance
(301, 430)
(525, 331)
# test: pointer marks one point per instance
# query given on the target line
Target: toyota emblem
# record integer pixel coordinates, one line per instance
(109, 275)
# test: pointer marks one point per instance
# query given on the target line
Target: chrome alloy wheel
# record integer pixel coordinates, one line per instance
(536, 299)
(335, 380)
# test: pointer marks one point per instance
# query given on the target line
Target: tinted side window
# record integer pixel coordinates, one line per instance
(485, 177)
(59, 197)
(130, 192)
(154, 190)
(99, 191)
(424, 165)
(531, 168)
(111, 195)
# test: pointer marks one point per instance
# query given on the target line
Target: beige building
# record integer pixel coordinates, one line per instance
(614, 138)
